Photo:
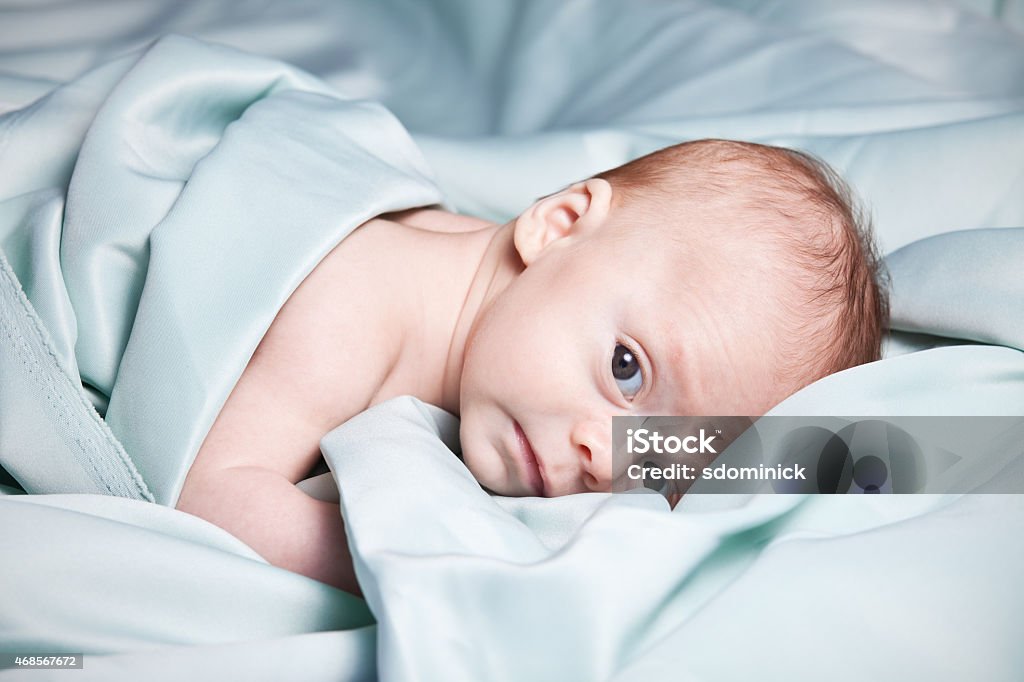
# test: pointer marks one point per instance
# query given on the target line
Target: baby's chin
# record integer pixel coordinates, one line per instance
(496, 483)
(483, 461)
(490, 470)
(486, 436)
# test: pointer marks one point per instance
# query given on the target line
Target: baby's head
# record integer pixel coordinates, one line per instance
(708, 278)
(802, 227)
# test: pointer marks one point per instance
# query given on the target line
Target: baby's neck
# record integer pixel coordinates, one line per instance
(453, 266)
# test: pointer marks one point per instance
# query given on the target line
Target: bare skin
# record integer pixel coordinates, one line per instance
(512, 327)
(300, 384)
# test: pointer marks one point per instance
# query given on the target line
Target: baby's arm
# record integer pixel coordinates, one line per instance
(300, 383)
(264, 439)
(284, 525)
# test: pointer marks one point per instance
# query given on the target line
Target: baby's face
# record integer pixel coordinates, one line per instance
(610, 323)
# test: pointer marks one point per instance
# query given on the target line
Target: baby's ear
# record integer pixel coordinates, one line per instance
(575, 211)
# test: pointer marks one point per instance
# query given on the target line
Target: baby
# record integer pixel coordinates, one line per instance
(708, 278)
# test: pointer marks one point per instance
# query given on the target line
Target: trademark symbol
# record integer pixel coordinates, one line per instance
(718, 431)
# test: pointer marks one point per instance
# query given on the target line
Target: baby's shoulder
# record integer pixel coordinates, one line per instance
(433, 219)
(331, 344)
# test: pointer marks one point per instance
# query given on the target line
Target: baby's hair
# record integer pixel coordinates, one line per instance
(807, 209)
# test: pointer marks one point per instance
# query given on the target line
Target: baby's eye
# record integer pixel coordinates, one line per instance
(626, 370)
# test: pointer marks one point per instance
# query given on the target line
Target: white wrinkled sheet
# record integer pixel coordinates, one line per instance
(920, 104)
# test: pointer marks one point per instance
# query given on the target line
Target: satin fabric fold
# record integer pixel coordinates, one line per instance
(206, 184)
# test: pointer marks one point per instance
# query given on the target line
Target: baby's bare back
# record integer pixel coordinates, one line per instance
(324, 358)
(348, 337)
(321, 361)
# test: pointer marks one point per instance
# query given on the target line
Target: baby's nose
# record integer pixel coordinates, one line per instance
(592, 440)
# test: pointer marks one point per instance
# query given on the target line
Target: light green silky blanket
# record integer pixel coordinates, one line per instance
(154, 216)
(158, 211)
